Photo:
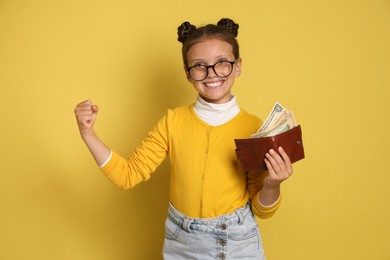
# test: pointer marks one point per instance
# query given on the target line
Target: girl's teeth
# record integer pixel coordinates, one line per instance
(216, 84)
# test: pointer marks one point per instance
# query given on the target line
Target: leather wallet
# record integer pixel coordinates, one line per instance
(251, 151)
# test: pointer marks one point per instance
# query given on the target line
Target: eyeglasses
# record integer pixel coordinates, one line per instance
(222, 69)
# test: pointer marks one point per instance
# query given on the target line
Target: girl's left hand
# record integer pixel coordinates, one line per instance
(279, 167)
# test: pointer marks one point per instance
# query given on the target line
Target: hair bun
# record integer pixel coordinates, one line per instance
(184, 30)
(229, 25)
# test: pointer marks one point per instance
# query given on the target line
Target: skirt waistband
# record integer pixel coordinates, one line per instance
(204, 224)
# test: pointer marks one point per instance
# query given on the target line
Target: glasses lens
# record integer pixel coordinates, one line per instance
(223, 68)
(198, 72)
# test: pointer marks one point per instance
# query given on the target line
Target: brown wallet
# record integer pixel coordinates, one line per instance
(251, 151)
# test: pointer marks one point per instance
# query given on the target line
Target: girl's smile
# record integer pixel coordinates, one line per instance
(214, 84)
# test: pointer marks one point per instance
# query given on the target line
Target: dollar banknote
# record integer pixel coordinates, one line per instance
(277, 112)
(278, 121)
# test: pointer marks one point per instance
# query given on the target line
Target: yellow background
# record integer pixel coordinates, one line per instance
(328, 61)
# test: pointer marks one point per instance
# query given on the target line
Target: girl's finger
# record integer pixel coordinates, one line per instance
(284, 155)
(271, 172)
(277, 158)
(270, 156)
(286, 160)
(84, 103)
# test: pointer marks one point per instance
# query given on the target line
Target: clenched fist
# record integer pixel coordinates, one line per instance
(86, 114)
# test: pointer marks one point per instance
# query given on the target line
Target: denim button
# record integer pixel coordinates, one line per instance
(222, 242)
(223, 226)
(221, 256)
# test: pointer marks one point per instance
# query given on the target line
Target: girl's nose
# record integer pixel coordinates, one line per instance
(211, 73)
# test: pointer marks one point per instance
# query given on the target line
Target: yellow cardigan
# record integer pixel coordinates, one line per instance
(206, 178)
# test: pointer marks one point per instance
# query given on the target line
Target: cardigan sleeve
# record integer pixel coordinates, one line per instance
(255, 181)
(142, 162)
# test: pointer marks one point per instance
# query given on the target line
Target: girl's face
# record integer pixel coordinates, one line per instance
(213, 89)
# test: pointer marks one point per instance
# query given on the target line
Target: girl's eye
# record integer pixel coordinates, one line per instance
(199, 65)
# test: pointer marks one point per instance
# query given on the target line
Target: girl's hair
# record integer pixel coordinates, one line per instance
(225, 30)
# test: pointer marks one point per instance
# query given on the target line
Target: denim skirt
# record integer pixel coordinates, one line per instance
(231, 236)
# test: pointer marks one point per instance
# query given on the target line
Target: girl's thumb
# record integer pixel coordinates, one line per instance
(95, 108)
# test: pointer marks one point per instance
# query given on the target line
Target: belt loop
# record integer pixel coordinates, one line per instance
(240, 217)
(186, 224)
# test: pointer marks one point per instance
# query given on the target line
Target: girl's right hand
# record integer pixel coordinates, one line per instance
(86, 114)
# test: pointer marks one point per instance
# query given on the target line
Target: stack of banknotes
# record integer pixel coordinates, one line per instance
(278, 121)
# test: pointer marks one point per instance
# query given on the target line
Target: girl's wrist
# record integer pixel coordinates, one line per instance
(271, 186)
(88, 135)
(269, 194)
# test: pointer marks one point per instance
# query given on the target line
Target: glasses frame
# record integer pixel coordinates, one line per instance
(213, 67)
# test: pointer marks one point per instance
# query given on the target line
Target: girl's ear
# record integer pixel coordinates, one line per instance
(187, 74)
(238, 69)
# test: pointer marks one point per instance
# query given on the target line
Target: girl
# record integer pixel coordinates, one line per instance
(212, 201)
